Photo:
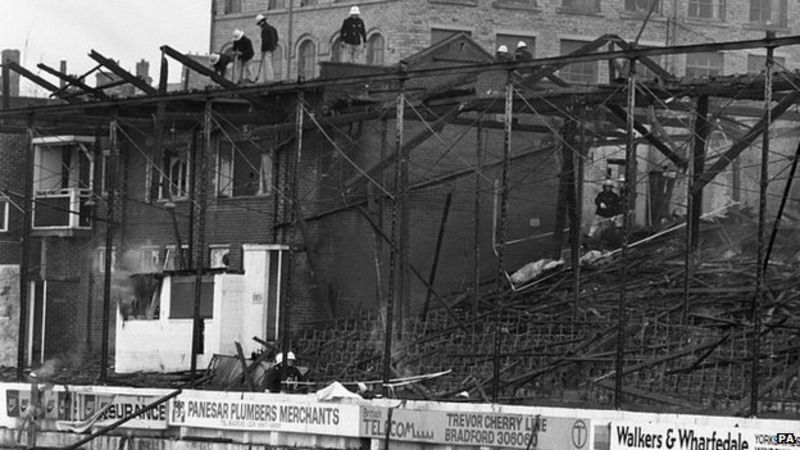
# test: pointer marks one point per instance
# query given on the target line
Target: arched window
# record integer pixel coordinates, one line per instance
(337, 50)
(307, 59)
(375, 49)
(277, 62)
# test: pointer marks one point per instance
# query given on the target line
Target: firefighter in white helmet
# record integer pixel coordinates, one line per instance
(275, 381)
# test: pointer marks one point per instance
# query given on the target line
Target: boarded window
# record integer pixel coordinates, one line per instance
(182, 298)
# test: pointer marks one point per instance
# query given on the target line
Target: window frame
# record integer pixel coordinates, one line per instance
(219, 247)
(370, 59)
(303, 59)
(146, 262)
(633, 7)
(582, 6)
(265, 169)
(232, 7)
(718, 6)
(100, 261)
(781, 10)
(707, 67)
(4, 206)
(169, 256)
(578, 73)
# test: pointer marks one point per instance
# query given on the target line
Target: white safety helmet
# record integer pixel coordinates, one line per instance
(290, 356)
(608, 183)
(237, 34)
(260, 18)
(521, 44)
(214, 58)
(502, 49)
(354, 11)
(279, 358)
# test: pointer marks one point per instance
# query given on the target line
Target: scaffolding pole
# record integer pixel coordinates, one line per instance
(199, 249)
(390, 289)
(501, 247)
(630, 186)
(25, 262)
(476, 279)
(294, 210)
(108, 263)
(762, 226)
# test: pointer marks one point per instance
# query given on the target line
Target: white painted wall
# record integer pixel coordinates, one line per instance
(164, 344)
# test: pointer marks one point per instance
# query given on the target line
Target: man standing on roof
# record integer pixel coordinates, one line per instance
(354, 34)
(220, 63)
(269, 41)
(522, 53)
(243, 49)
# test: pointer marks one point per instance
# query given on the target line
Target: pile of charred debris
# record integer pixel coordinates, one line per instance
(685, 348)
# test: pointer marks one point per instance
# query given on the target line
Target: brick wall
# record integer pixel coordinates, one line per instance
(12, 164)
(406, 26)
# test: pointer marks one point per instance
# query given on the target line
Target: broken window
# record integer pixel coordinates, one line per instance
(583, 72)
(768, 12)
(174, 261)
(62, 182)
(243, 169)
(707, 9)
(100, 260)
(375, 45)
(143, 303)
(219, 256)
(151, 260)
(703, 65)
(173, 176)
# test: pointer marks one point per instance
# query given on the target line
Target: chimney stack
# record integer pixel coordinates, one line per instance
(13, 77)
(63, 69)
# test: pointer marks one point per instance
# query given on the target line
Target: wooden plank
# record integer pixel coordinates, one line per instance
(74, 81)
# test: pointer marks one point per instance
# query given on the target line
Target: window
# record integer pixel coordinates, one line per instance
(337, 50)
(3, 215)
(755, 63)
(439, 34)
(585, 72)
(151, 260)
(233, 6)
(511, 41)
(375, 45)
(703, 64)
(309, 2)
(307, 59)
(100, 260)
(276, 4)
(643, 73)
(243, 169)
(219, 256)
(581, 5)
(62, 182)
(173, 178)
(768, 12)
(642, 6)
(707, 9)
(173, 261)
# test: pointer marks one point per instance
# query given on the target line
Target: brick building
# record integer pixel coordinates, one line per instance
(398, 29)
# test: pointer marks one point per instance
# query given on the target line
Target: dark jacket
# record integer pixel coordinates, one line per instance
(522, 54)
(245, 48)
(611, 201)
(269, 38)
(272, 378)
(222, 64)
(353, 31)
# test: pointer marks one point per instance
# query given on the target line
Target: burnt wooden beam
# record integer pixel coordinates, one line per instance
(31, 76)
(74, 81)
(619, 113)
(645, 60)
(751, 135)
(545, 71)
(701, 133)
(197, 67)
(122, 73)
